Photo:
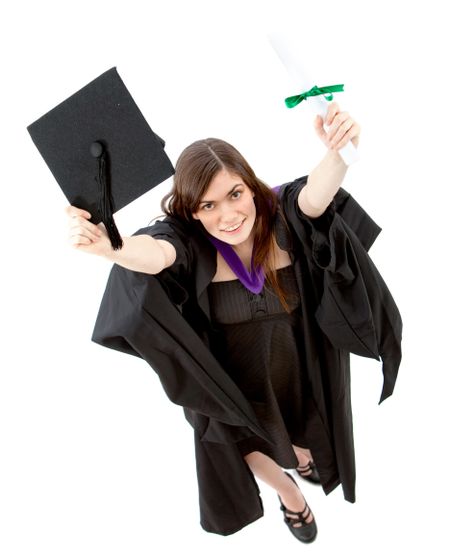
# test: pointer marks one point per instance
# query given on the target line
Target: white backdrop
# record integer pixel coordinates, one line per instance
(96, 463)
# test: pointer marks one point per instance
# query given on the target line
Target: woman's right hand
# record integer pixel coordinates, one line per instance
(85, 235)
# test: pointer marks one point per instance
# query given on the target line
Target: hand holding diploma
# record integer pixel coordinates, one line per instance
(342, 128)
(324, 180)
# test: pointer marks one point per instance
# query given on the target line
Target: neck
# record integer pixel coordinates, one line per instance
(240, 263)
(244, 251)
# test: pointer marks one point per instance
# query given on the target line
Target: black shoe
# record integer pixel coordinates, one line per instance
(313, 476)
(307, 532)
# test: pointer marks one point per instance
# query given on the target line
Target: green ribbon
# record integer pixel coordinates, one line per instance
(296, 99)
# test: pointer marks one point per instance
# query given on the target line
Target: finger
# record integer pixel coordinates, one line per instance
(338, 120)
(352, 133)
(336, 136)
(77, 223)
(78, 240)
(332, 111)
(318, 125)
(74, 212)
(84, 232)
(318, 122)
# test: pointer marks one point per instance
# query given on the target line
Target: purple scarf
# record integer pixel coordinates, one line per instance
(254, 280)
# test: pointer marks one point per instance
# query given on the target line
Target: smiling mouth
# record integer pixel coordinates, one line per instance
(233, 228)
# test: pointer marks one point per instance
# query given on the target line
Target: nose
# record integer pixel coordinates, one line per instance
(228, 215)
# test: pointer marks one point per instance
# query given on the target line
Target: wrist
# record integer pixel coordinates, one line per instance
(111, 254)
(334, 159)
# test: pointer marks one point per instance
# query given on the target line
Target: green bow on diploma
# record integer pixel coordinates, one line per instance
(296, 99)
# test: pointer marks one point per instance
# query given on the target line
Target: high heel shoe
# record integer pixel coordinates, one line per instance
(307, 532)
(313, 476)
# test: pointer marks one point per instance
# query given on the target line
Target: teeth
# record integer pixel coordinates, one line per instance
(233, 228)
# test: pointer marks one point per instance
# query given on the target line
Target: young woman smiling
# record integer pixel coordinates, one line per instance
(256, 321)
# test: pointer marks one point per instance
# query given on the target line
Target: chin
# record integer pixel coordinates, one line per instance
(236, 241)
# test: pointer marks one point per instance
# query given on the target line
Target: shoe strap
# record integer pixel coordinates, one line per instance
(301, 514)
(306, 468)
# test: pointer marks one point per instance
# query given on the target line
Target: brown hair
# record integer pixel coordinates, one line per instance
(195, 169)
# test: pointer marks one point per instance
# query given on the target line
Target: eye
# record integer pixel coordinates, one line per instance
(207, 206)
(238, 194)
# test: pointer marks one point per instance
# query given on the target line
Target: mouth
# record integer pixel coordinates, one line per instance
(233, 229)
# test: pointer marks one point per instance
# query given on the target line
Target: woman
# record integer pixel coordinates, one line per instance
(258, 321)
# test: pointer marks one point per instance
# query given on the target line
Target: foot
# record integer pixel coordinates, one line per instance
(305, 470)
(293, 500)
(305, 461)
(306, 467)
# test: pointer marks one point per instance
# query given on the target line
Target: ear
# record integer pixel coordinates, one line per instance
(195, 216)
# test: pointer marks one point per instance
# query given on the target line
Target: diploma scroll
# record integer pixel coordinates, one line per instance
(286, 51)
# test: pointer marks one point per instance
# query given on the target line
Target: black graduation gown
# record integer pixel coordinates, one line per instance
(346, 306)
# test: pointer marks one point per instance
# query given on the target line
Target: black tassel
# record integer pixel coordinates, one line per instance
(106, 202)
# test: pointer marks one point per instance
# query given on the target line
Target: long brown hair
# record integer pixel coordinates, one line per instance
(196, 168)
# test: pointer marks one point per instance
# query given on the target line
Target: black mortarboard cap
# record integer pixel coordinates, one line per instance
(101, 150)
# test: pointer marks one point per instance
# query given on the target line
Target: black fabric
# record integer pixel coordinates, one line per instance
(257, 342)
(102, 111)
(340, 254)
(331, 267)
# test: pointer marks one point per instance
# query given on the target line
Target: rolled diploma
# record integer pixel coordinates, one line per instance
(300, 79)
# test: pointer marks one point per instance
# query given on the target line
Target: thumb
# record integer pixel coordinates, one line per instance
(318, 125)
(73, 211)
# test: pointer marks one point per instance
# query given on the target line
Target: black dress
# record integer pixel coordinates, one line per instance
(259, 344)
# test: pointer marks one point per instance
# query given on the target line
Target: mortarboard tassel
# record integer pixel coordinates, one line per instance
(106, 202)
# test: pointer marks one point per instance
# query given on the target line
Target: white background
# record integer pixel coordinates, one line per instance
(96, 463)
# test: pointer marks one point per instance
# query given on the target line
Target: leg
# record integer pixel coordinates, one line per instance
(265, 468)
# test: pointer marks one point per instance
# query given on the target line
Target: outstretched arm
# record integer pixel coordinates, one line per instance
(325, 180)
(140, 253)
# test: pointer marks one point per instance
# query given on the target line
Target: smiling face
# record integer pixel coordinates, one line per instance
(227, 209)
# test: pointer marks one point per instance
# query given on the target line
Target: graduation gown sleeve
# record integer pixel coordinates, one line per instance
(356, 312)
(141, 314)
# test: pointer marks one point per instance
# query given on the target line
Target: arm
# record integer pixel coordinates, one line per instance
(325, 180)
(140, 253)
(323, 183)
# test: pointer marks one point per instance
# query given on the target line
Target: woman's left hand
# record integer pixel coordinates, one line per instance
(342, 128)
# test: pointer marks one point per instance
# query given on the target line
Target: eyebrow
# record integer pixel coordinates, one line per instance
(232, 190)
